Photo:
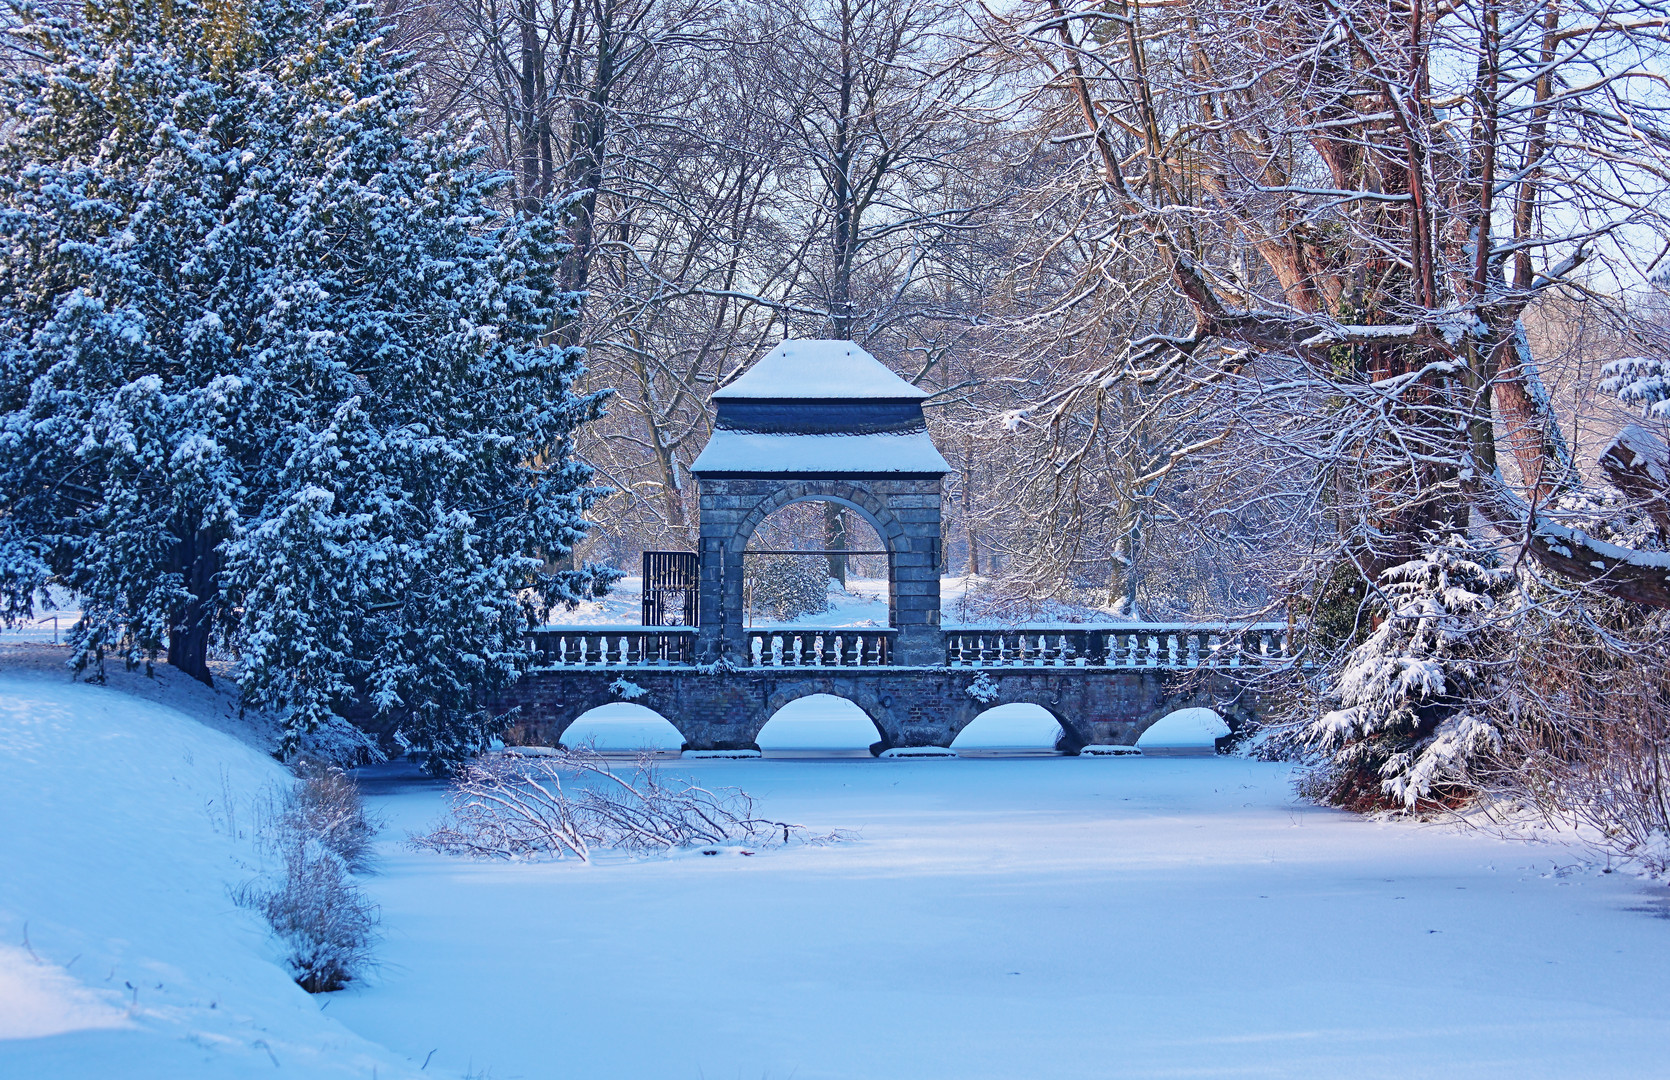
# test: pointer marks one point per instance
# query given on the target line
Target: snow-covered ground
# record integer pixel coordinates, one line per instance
(124, 825)
(1019, 916)
(1025, 917)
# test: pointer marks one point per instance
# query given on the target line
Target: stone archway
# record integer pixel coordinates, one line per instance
(904, 511)
(864, 699)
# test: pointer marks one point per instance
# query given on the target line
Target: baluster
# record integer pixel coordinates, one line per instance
(827, 654)
(1191, 649)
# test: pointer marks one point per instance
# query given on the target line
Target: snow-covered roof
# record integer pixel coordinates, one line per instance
(819, 369)
(757, 452)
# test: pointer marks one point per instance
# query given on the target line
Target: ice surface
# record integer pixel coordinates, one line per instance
(757, 452)
(812, 368)
(1025, 917)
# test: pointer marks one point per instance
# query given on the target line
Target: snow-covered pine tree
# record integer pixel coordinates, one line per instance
(1407, 709)
(274, 370)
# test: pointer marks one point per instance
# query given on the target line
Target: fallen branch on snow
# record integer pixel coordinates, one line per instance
(507, 806)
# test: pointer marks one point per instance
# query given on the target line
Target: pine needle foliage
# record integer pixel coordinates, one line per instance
(277, 373)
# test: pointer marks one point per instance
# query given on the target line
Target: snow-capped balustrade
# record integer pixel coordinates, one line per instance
(845, 646)
(1147, 646)
(614, 646)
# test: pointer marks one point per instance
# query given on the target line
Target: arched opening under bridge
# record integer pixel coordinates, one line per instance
(1186, 731)
(1018, 727)
(621, 727)
(818, 724)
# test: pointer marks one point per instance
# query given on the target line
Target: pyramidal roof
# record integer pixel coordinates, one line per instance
(821, 370)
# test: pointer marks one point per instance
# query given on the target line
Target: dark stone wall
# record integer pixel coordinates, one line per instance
(725, 709)
(905, 511)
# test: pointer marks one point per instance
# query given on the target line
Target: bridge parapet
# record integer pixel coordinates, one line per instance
(614, 646)
(1067, 645)
(845, 646)
(1135, 645)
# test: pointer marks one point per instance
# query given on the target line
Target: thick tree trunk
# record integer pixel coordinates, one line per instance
(835, 538)
(197, 559)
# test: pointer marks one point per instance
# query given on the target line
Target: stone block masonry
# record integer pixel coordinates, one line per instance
(725, 709)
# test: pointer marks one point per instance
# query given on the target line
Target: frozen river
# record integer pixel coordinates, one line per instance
(1022, 917)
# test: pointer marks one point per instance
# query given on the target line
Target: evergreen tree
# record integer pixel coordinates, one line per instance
(1409, 709)
(275, 372)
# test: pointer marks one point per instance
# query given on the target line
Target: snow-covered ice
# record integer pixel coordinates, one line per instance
(1020, 916)
(1025, 917)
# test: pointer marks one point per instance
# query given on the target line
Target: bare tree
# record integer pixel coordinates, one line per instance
(1356, 205)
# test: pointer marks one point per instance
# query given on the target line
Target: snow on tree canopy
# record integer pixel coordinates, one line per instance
(276, 372)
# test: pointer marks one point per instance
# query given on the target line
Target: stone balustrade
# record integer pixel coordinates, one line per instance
(1159, 646)
(614, 646)
(845, 646)
(1061, 646)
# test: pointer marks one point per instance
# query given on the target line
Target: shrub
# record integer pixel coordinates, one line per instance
(784, 587)
(509, 807)
(321, 833)
(1409, 711)
(320, 914)
(325, 805)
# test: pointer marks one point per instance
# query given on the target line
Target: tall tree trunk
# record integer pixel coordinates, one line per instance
(835, 538)
(197, 560)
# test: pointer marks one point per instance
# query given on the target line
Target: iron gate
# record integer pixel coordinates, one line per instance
(672, 585)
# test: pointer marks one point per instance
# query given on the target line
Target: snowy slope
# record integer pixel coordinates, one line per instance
(123, 824)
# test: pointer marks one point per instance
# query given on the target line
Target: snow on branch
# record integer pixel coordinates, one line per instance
(505, 806)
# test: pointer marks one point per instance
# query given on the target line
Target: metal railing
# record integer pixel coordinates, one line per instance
(1134, 646)
(841, 646)
(614, 646)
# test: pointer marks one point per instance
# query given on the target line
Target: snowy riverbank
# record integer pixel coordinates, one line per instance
(995, 917)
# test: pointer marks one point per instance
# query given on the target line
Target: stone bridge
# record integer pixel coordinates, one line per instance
(824, 421)
(1105, 686)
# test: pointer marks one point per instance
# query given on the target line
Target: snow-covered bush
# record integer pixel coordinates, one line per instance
(983, 689)
(277, 372)
(1409, 710)
(325, 805)
(320, 832)
(571, 802)
(784, 587)
(1640, 380)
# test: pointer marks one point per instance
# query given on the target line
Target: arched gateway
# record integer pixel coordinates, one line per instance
(826, 421)
(821, 420)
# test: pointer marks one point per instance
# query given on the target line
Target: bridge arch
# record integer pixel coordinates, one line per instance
(621, 725)
(868, 701)
(835, 718)
(975, 735)
(1075, 733)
